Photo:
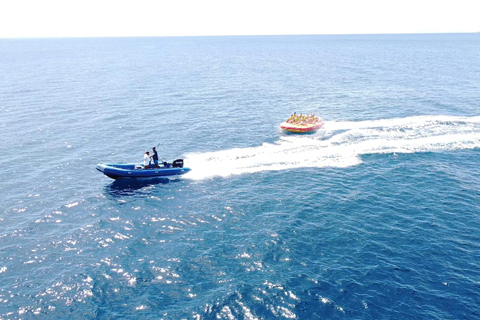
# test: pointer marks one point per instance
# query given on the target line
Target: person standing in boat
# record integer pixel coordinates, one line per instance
(146, 160)
(155, 157)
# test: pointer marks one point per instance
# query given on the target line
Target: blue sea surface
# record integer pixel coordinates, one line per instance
(375, 216)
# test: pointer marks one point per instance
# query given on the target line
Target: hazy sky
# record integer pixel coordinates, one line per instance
(99, 18)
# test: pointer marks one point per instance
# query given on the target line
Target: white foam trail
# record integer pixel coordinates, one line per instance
(340, 144)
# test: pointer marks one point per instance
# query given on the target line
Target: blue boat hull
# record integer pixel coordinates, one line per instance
(133, 171)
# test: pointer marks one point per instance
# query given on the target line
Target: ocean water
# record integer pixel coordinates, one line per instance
(375, 216)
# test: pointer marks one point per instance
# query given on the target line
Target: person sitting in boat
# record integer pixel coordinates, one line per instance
(292, 118)
(155, 157)
(146, 160)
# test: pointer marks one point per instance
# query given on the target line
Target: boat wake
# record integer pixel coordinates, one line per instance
(341, 144)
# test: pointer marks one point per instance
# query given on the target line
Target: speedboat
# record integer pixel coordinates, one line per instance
(302, 124)
(128, 170)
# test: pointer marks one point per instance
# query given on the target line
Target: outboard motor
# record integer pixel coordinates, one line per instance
(178, 163)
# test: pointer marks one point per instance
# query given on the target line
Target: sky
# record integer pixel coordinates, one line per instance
(115, 18)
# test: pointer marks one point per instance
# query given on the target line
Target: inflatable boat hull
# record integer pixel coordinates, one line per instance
(297, 128)
(133, 171)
